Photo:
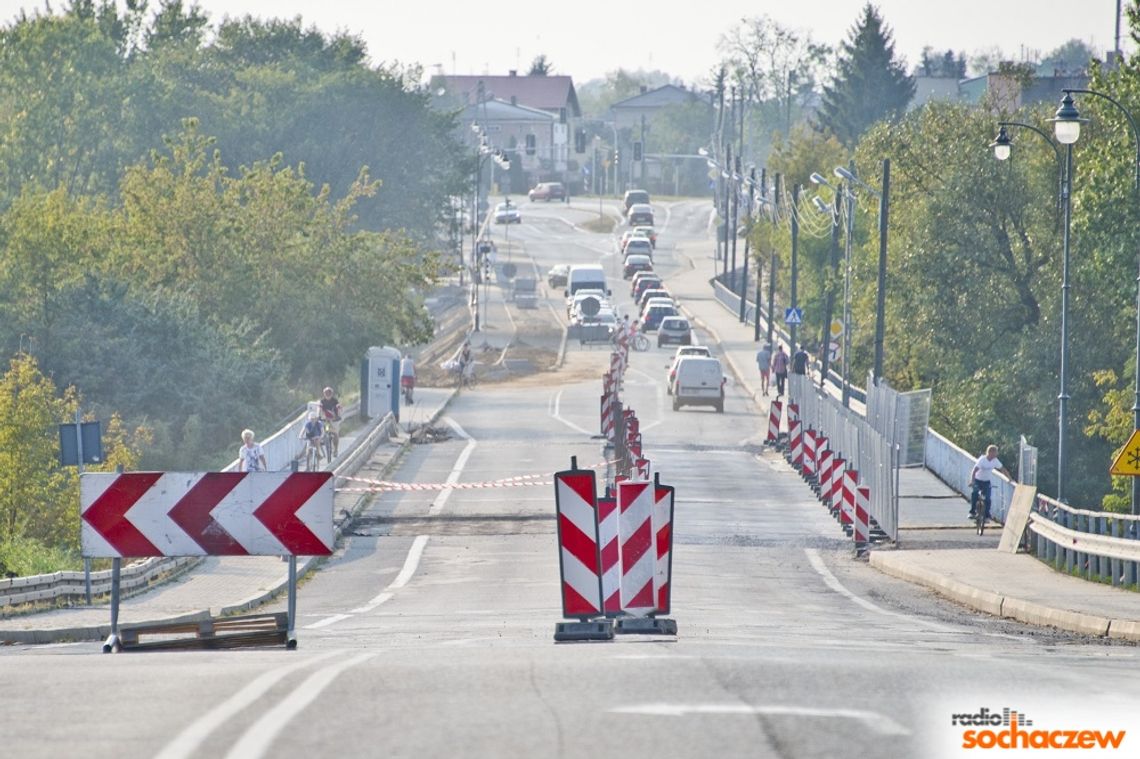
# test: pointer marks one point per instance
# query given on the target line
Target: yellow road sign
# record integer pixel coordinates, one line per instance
(1128, 460)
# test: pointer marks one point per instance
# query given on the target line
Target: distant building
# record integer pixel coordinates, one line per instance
(632, 121)
(1008, 91)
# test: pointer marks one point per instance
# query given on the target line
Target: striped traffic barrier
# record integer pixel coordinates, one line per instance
(835, 487)
(847, 507)
(663, 534)
(642, 466)
(809, 438)
(795, 442)
(579, 556)
(775, 411)
(793, 412)
(611, 569)
(862, 526)
(635, 540)
(823, 476)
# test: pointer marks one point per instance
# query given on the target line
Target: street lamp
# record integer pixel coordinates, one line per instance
(1067, 126)
(841, 193)
(1003, 148)
(884, 196)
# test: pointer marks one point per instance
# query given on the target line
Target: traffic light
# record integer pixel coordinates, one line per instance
(580, 141)
(637, 151)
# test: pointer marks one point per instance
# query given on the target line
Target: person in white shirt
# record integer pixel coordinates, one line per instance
(981, 477)
(251, 458)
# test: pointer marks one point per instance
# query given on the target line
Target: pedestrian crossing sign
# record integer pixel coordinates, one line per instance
(793, 316)
(1128, 460)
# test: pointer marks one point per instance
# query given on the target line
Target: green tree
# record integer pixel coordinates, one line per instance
(540, 66)
(870, 83)
(1072, 57)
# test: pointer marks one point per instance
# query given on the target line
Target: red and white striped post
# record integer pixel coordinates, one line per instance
(793, 412)
(642, 466)
(579, 555)
(847, 509)
(862, 527)
(638, 556)
(611, 569)
(809, 438)
(835, 489)
(663, 529)
(795, 442)
(823, 475)
(775, 411)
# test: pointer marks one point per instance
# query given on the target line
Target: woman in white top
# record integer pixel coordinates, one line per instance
(251, 458)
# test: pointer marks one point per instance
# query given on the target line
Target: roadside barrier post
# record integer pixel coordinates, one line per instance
(775, 411)
(847, 510)
(579, 556)
(640, 578)
(809, 438)
(862, 519)
(835, 490)
(611, 569)
(823, 475)
(795, 443)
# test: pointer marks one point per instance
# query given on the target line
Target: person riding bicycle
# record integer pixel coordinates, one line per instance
(981, 477)
(312, 433)
(330, 410)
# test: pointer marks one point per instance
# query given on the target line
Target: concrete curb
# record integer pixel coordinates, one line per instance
(988, 601)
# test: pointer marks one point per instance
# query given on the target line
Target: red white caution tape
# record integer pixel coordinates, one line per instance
(522, 480)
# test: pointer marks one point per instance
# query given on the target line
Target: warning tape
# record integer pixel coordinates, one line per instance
(522, 480)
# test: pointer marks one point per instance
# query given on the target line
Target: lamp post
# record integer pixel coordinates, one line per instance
(1067, 126)
(1003, 148)
(834, 212)
(884, 196)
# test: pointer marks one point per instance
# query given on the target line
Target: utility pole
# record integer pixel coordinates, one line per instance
(759, 261)
(643, 151)
(795, 259)
(725, 215)
(744, 281)
(772, 267)
(880, 302)
(734, 169)
(830, 299)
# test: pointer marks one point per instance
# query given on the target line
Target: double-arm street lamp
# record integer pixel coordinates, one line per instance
(484, 151)
(1003, 148)
(844, 194)
(1067, 125)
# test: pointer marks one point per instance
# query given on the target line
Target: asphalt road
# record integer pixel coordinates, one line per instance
(430, 633)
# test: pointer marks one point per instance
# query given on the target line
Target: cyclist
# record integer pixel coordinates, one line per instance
(312, 433)
(981, 477)
(330, 410)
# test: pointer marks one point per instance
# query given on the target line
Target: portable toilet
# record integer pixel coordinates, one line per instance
(380, 383)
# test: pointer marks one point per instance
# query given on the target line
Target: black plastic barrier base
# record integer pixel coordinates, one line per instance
(571, 631)
(645, 626)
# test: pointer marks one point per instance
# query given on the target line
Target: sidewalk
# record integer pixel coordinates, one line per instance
(932, 517)
(219, 585)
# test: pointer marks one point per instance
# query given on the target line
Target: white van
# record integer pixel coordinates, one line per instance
(699, 382)
(586, 277)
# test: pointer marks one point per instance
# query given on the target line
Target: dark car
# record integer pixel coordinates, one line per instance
(640, 214)
(635, 196)
(643, 283)
(653, 315)
(548, 191)
(636, 263)
(558, 275)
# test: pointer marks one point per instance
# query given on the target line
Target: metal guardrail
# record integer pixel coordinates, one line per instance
(852, 437)
(1095, 545)
(58, 586)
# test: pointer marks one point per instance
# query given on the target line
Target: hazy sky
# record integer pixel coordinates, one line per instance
(587, 38)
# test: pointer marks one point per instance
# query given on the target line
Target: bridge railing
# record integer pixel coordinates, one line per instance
(1096, 545)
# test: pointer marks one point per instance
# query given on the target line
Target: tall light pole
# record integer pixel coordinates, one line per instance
(795, 259)
(1067, 125)
(1003, 148)
(829, 300)
(744, 283)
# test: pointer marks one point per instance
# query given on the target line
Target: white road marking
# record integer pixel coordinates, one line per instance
(879, 723)
(255, 742)
(441, 499)
(554, 412)
(832, 582)
(410, 564)
(186, 743)
(327, 621)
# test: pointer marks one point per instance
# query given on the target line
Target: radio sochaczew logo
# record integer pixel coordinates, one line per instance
(1008, 728)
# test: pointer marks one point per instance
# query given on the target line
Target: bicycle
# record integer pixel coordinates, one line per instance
(330, 439)
(640, 343)
(313, 454)
(980, 505)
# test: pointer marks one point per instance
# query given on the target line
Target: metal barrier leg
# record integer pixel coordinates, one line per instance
(111, 645)
(291, 635)
(87, 579)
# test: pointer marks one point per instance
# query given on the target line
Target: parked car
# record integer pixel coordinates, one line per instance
(699, 382)
(558, 275)
(636, 263)
(547, 191)
(653, 314)
(507, 213)
(635, 196)
(640, 214)
(684, 350)
(639, 246)
(674, 329)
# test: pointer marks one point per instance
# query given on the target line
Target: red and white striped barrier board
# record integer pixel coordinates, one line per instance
(847, 507)
(635, 445)
(140, 514)
(823, 476)
(795, 442)
(835, 489)
(775, 411)
(663, 537)
(793, 412)
(632, 423)
(642, 466)
(638, 555)
(616, 365)
(611, 567)
(862, 527)
(809, 439)
(579, 559)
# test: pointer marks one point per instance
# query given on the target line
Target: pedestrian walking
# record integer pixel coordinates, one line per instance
(251, 458)
(981, 477)
(800, 361)
(780, 369)
(764, 363)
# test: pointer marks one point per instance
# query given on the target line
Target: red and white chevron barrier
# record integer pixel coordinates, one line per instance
(663, 536)
(141, 514)
(579, 558)
(795, 442)
(823, 475)
(834, 491)
(775, 411)
(847, 505)
(793, 412)
(611, 567)
(862, 526)
(642, 466)
(638, 555)
(809, 438)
